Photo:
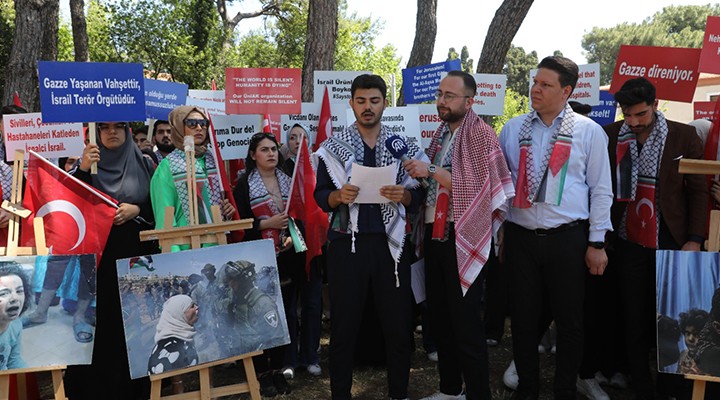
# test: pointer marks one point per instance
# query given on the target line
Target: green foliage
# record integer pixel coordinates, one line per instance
(466, 63)
(515, 104)
(101, 44)
(66, 48)
(517, 68)
(281, 43)
(7, 33)
(674, 26)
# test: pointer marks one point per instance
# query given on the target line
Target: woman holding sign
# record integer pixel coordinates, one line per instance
(262, 193)
(124, 174)
(169, 186)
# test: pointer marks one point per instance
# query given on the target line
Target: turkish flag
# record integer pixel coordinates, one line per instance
(77, 217)
(641, 221)
(441, 210)
(302, 205)
(325, 122)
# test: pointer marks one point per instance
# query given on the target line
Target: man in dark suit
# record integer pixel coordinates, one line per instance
(655, 207)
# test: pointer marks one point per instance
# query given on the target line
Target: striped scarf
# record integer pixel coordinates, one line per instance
(341, 150)
(481, 186)
(555, 161)
(206, 178)
(637, 175)
(262, 204)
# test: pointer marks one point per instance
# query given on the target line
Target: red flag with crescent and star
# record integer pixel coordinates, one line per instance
(641, 221)
(77, 217)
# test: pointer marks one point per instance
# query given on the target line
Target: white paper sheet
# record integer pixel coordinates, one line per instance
(370, 180)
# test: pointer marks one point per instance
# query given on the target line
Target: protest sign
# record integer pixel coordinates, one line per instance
(337, 82)
(91, 92)
(262, 90)
(28, 132)
(211, 100)
(420, 83)
(710, 54)
(429, 121)
(673, 71)
(310, 117)
(490, 96)
(604, 112)
(403, 121)
(162, 96)
(704, 109)
(233, 133)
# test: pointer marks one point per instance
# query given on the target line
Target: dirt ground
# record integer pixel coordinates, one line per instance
(369, 383)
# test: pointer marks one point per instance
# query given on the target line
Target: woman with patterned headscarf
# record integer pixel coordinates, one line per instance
(169, 184)
(124, 174)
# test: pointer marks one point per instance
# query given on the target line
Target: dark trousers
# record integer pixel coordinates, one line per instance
(637, 287)
(311, 317)
(497, 298)
(457, 321)
(370, 271)
(547, 272)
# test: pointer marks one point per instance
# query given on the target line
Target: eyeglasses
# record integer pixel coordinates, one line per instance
(105, 128)
(263, 135)
(448, 97)
(193, 123)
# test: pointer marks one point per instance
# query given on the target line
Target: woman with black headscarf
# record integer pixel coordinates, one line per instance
(124, 174)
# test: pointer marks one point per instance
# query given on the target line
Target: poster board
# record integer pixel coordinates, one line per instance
(52, 342)
(217, 335)
(688, 287)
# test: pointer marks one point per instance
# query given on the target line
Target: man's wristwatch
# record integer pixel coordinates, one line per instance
(431, 170)
(597, 245)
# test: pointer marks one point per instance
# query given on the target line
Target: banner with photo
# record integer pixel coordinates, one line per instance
(47, 310)
(688, 312)
(197, 306)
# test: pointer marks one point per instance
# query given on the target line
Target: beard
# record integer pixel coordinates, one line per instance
(448, 115)
(165, 148)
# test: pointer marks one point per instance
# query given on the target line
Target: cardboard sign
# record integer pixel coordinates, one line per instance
(429, 121)
(704, 109)
(420, 83)
(338, 84)
(403, 121)
(710, 54)
(263, 90)
(211, 100)
(672, 70)
(91, 92)
(587, 88)
(604, 113)
(28, 132)
(162, 96)
(490, 96)
(233, 134)
(310, 117)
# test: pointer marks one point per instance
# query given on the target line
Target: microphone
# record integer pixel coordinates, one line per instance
(398, 148)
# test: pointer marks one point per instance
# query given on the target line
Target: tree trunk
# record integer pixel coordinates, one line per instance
(230, 23)
(36, 36)
(79, 28)
(425, 32)
(322, 32)
(508, 18)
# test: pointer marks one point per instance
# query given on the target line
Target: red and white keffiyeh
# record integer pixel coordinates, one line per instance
(481, 186)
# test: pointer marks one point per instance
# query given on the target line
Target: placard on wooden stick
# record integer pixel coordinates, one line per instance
(704, 167)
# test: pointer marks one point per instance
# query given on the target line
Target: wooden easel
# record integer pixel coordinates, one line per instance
(18, 212)
(196, 236)
(704, 167)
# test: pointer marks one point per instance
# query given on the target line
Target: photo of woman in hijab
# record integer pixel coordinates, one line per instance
(174, 345)
(14, 287)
